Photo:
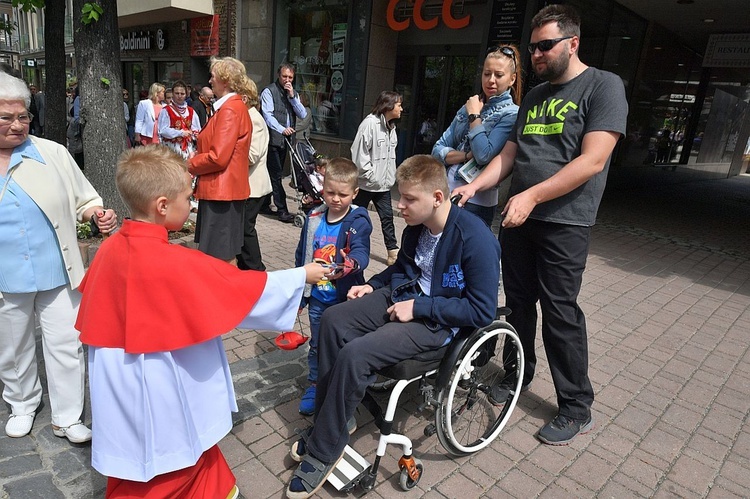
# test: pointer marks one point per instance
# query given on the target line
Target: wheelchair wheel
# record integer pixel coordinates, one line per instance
(466, 419)
(299, 220)
(406, 481)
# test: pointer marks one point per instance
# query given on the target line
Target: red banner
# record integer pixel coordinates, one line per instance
(204, 36)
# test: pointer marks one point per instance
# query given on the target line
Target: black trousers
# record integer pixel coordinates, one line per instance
(250, 257)
(275, 164)
(544, 262)
(356, 339)
(382, 202)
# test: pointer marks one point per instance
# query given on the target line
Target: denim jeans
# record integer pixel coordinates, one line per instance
(315, 309)
(382, 202)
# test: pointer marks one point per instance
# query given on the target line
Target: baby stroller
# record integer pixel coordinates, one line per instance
(304, 178)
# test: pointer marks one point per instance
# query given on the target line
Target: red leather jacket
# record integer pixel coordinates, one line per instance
(221, 162)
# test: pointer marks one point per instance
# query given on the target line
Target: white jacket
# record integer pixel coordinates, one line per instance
(260, 180)
(145, 118)
(63, 194)
(374, 153)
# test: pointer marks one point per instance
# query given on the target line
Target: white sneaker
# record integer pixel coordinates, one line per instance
(19, 426)
(77, 433)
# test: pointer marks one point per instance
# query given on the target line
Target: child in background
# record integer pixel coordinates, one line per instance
(153, 314)
(336, 234)
(316, 180)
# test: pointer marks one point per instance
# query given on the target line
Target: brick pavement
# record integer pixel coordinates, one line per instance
(666, 298)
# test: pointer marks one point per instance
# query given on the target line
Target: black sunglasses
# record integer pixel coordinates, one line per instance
(505, 50)
(545, 45)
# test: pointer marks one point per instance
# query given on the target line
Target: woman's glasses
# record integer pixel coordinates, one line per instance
(546, 45)
(505, 50)
(24, 119)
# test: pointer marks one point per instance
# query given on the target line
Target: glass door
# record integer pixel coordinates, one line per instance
(441, 85)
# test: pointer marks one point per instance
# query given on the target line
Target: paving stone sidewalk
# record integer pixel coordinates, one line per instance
(666, 299)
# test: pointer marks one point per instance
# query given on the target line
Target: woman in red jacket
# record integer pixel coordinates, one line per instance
(221, 164)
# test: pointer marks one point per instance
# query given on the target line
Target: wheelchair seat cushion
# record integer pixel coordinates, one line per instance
(416, 366)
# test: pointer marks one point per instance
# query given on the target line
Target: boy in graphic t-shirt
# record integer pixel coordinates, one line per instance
(337, 234)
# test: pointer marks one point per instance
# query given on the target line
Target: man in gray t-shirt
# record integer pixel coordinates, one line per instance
(559, 153)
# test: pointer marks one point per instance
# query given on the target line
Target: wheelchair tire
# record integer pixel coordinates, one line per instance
(466, 419)
(405, 481)
(299, 220)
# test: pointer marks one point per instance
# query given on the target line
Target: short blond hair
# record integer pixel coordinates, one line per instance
(154, 90)
(342, 170)
(232, 72)
(424, 171)
(147, 173)
(250, 94)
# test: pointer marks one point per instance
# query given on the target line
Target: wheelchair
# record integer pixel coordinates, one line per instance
(456, 381)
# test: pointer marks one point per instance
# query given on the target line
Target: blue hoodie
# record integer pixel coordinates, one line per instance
(354, 236)
(464, 279)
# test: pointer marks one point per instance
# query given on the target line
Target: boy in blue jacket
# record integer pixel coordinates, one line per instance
(336, 234)
(445, 277)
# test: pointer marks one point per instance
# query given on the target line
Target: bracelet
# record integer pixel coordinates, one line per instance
(466, 156)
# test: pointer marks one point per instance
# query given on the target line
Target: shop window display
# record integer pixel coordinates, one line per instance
(317, 44)
(168, 72)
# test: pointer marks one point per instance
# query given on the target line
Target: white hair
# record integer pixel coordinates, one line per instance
(14, 89)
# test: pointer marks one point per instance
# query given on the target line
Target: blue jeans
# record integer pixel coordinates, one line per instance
(315, 309)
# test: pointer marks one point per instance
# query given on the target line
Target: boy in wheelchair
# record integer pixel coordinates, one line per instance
(445, 277)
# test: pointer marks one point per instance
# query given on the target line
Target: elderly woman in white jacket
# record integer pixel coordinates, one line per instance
(260, 183)
(374, 153)
(42, 194)
(147, 114)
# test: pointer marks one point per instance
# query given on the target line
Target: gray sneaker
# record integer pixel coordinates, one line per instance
(562, 429)
(499, 393)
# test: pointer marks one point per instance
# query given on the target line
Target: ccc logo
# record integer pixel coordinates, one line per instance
(422, 23)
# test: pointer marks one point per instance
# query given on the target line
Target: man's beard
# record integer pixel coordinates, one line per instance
(554, 68)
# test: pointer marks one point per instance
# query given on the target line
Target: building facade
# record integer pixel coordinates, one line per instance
(688, 106)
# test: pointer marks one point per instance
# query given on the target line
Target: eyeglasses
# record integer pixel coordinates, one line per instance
(505, 50)
(546, 45)
(23, 119)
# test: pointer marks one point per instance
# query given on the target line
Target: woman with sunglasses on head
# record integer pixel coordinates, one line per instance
(482, 126)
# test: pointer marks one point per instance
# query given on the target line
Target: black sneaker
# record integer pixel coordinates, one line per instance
(562, 429)
(286, 217)
(499, 393)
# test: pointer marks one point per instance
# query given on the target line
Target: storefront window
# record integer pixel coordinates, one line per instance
(168, 72)
(317, 44)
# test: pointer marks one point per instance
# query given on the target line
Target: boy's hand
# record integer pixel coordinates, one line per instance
(314, 272)
(402, 311)
(359, 291)
(345, 268)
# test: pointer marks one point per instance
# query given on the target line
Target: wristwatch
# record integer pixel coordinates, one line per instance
(473, 117)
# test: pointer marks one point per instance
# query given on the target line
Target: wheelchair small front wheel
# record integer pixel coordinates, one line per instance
(468, 417)
(410, 478)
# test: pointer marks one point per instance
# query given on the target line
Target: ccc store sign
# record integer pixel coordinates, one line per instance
(422, 23)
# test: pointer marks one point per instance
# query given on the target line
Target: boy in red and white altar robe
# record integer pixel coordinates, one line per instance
(152, 314)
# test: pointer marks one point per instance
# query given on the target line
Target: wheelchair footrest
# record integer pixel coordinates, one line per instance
(349, 471)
